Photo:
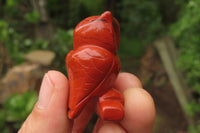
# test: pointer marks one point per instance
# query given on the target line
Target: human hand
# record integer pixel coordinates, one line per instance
(50, 112)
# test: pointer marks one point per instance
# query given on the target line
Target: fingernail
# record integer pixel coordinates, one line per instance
(46, 91)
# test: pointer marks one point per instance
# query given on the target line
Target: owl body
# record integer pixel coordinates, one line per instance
(93, 65)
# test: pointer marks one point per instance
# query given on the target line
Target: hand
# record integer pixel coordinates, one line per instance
(50, 112)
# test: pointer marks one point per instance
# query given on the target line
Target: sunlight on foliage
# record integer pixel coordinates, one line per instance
(16, 109)
(186, 32)
(32, 17)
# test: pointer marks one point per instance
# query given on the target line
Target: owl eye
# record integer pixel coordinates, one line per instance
(101, 20)
(90, 20)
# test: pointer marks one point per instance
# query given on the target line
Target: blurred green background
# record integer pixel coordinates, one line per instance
(29, 25)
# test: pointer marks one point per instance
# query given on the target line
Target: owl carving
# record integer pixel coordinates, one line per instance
(93, 66)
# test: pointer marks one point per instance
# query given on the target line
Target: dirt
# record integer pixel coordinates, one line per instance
(169, 116)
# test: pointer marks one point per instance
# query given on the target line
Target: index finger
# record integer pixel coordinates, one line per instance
(127, 80)
(139, 106)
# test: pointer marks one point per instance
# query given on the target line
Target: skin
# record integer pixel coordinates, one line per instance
(50, 112)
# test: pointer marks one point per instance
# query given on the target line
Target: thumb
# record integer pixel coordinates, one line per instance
(50, 112)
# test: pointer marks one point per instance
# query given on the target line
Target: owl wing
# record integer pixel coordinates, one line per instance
(88, 68)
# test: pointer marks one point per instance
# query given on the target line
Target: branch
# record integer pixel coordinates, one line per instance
(43, 12)
(167, 52)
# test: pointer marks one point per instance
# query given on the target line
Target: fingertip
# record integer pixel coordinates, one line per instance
(58, 79)
(139, 111)
(60, 91)
(127, 80)
(111, 127)
(50, 112)
(139, 105)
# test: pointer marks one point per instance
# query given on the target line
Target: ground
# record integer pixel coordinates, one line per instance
(169, 116)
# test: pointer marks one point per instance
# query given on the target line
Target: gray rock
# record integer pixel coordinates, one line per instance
(42, 57)
(19, 79)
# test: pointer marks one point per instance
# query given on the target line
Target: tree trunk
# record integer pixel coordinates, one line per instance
(44, 29)
(167, 52)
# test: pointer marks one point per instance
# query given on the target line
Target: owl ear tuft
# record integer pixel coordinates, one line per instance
(106, 16)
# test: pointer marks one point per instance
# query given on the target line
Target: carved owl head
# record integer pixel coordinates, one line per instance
(102, 31)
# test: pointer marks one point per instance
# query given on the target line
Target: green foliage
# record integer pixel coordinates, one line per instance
(40, 44)
(94, 8)
(193, 107)
(140, 19)
(32, 17)
(189, 18)
(11, 3)
(81, 9)
(140, 24)
(130, 47)
(11, 8)
(12, 40)
(3, 31)
(16, 109)
(63, 40)
(186, 32)
(192, 129)
(16, 44)
(61, 45)
(19, 106)
(2, 119)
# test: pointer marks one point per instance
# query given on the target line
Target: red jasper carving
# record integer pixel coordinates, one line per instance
(110, 105)
(93, 66)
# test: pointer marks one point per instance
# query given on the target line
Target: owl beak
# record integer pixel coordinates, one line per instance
(106, 16)
(115, 25)
(116, 29)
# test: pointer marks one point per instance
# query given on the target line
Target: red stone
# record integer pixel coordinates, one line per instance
(110, 105)
(93, 65)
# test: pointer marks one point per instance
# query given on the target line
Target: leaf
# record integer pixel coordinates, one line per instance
(18, 106)
(2, 119)
(32, 17)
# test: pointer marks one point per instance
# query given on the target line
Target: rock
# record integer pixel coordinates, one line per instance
(151, 60)
(20, 79)
(42, 57)
(151, 67)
